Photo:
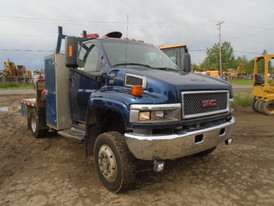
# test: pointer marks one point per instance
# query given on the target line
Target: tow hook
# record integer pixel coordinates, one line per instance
(229, 141)
(158, 166)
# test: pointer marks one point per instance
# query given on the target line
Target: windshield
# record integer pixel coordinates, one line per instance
(123, 53)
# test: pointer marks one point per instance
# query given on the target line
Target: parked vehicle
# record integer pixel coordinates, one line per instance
(127, 101)
(263, 88)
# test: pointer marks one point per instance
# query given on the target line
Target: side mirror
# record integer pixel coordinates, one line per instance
(71, 51)
(187, 63)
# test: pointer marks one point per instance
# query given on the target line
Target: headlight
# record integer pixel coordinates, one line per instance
(151, 115)
(159, 115)
(155, 113)
(144, 116)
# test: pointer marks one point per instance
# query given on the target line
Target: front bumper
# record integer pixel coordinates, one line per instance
(172, 146)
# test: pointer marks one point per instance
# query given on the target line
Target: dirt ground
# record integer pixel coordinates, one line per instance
(53, 171)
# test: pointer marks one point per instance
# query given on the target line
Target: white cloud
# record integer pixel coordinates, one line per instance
(32, 25)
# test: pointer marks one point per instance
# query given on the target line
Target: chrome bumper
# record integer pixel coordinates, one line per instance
(172, 146)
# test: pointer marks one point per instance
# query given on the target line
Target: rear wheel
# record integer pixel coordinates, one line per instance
(253, 104)
(35, 125)
(256, 105)
(259, 106)
(115, 165)
(268, 108)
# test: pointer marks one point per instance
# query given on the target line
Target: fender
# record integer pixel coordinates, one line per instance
(92, 128)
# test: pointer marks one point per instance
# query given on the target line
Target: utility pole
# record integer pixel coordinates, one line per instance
(220, 47)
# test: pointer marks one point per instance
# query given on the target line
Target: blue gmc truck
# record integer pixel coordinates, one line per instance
(128, 102)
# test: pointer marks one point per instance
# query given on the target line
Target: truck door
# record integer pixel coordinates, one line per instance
(83, 80)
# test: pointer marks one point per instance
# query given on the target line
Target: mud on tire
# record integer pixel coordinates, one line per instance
(114, 163)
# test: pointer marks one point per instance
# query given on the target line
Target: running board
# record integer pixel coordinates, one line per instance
(73, 133)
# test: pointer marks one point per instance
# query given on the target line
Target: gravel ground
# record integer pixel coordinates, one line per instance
(53, 171)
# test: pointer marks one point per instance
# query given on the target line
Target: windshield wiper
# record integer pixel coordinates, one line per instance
(138, 64)
(146, 65)
(166, 68)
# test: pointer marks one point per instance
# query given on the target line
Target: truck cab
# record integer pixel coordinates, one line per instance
(127, 101)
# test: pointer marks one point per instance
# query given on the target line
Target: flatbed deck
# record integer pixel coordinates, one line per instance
(29, 102)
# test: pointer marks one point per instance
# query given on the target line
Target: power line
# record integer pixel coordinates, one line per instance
(250, 26)
(247, 52)
(50, 20)
(25, 50)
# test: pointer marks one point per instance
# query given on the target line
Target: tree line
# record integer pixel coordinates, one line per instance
(211, 62)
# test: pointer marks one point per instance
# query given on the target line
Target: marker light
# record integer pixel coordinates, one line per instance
(70, 51)
(137, 91)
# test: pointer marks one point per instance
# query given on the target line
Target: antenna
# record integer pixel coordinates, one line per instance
(126, 43)
(127, 27)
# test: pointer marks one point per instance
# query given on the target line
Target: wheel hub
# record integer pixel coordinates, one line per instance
(107, 163)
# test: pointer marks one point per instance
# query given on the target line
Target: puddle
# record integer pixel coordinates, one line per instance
(11, 108)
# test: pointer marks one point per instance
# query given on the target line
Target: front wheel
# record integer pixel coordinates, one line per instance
(115, 165)
(268, 108)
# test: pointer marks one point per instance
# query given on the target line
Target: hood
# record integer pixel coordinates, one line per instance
(170, 83)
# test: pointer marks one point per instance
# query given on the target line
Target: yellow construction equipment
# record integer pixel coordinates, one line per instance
(212, 73)
(240, 71)
(176, 53)
(263, 88)
(13, 72)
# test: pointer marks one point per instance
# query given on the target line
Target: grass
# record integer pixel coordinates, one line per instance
(242, 82)
(15, 85)
(242, 100)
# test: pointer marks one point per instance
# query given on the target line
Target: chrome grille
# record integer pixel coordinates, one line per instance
(204, 103)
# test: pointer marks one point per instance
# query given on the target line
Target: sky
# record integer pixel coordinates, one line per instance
(29, 28)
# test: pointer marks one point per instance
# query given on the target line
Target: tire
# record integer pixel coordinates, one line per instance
(206, 152)
(259, 106)
(256, 105)
(268, 108)
(253, 104)
(115, 165)
(35, 125)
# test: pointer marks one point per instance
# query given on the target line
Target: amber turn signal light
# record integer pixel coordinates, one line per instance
(137, 91)
(70, 51)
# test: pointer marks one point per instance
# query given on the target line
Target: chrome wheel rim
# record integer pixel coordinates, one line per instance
(33, 123)
(107, 163)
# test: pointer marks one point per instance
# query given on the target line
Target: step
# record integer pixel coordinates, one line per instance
(73, 133)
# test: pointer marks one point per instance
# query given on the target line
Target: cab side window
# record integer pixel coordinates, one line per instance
(89, 58)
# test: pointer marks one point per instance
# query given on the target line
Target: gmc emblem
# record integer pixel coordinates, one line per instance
(209, 103)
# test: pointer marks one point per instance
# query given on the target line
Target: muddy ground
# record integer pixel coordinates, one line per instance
(53, 171)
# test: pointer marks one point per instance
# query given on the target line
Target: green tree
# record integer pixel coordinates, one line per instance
(195, 67)
(212, 60)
